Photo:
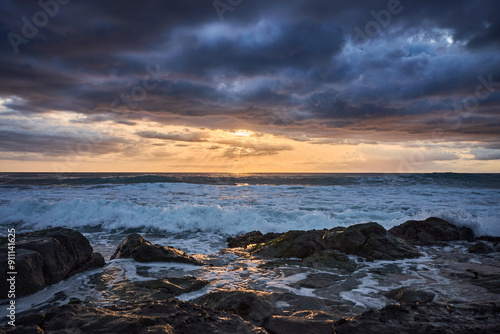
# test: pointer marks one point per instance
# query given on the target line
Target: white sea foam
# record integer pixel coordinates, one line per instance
(230, 210)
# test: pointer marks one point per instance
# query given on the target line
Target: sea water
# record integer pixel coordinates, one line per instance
(197, 212)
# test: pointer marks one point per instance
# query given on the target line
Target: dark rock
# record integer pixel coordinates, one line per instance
(330, 259)
(29, 268)
(297, 325)
(317, 281)
(95, 261)
(494, 240)
(26, 329)
(298, 244)
(125, 248)
(481, 248)
(158, 253)
(254, 237)
(253, 306)
(172, 316)
(304, 303)
(425, 318)
(489, 281)
(370, 240)
(136, 247)
(431, 231)
(410, 296)
(46, 257)
(158, 289)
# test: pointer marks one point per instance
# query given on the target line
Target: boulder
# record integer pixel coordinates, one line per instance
(29, 268)
(172, 316)
(370, 240)
(254, 237)
(481, 248)
(431, 231)
(407, 295)
(325, 248)
(136, 247)
(46, 257)
(296, 244)
(254, 306)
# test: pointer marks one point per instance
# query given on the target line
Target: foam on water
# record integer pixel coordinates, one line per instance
(229, 210)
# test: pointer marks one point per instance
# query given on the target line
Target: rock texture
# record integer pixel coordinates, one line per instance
(330, 259)
(481, 248)
(46, 257)
(297, 244)
(410, 296)
(427, 318)
(136, 247)
(326, 248)
(172, 316)
(371, 241)
(253, 306)
(157, 289)
(431, 231)
(254, 237)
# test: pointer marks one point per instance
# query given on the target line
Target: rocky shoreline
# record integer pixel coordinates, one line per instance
(432, 277)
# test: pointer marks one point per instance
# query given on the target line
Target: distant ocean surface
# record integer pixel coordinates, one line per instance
(228, 204)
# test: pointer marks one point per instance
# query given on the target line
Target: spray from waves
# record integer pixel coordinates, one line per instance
(30, 214)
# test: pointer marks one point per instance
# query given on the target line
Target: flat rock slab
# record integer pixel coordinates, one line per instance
(172, 316)
(426, 318)
(410, 296)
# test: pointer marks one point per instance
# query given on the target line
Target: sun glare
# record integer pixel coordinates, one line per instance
(243, 133)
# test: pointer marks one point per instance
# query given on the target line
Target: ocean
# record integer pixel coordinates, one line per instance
(229, 204)
(197, 212)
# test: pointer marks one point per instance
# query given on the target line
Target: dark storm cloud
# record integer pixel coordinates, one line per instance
(290, 67)
(57, 144)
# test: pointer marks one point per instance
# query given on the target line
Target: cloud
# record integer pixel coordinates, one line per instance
(290, 68)
(485, 154)
(194, 137)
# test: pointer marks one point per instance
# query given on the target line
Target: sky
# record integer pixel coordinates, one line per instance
(240, 86)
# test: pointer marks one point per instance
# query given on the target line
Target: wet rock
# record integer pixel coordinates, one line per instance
(95, 261)
(254, 306)
(297, 244)
(174, 286)
(136, 247)
(407, 295)
(29, 268)
(431, 231)
(489, 281)
(46, 257)
(370, 240)
(254, 237)
(481, 248)
(158, 253)
(125, 248)
(425, 318)
(330, 259)
(26, 329)
(158, 289)
(297, 325)
(494, 240)
(287, 301)
(172, 316)
(316, 281)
